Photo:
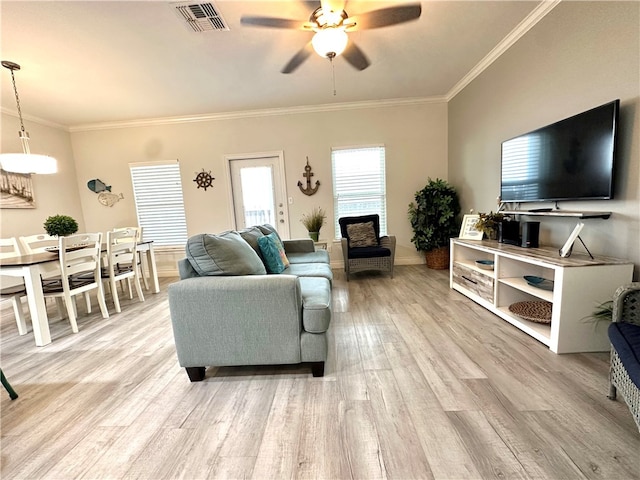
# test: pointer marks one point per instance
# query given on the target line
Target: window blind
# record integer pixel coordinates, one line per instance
(359, 184)
(157, 188)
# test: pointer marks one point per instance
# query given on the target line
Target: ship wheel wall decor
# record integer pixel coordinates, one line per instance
(204, 179)
(309, 190)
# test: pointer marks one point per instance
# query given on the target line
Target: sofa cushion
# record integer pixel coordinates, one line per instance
(268, 229)
(300, 270)
(223, 254)
(273, 253)
(361, 235)
(625, 338)
(251, 236)
(316, 304)
(186, 270)
(321, 256)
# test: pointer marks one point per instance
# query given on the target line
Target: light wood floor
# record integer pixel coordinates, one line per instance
(420, 383)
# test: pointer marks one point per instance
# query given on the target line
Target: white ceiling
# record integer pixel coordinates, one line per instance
(93, 62)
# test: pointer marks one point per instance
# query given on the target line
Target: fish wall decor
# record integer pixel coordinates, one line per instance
(96, 185)
(109, 199)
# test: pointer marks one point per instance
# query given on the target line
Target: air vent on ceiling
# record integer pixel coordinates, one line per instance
(201, 17)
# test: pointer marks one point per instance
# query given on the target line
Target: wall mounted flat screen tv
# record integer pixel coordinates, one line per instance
(572, 159)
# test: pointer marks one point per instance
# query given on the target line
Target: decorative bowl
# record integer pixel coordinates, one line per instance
(485, 264)
(539, 282)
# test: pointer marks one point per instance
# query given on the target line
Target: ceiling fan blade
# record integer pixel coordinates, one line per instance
(271, 22)
(388, 16)
(355, 56)
(298, 58)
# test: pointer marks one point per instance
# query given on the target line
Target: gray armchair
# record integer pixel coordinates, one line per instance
(624, 333)
(363, 249)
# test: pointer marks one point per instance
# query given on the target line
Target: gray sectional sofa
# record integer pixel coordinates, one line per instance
(228, 309)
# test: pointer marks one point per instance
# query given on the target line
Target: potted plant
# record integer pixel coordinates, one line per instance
(488, 223)
(434, 218)
(313, 222)
(60, 225)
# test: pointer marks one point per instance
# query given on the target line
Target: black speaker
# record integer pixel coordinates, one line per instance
(509, 232)
(530, 234)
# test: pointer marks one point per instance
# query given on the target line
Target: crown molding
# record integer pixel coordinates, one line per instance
(523, 27)
(38, 120)
(332, 107)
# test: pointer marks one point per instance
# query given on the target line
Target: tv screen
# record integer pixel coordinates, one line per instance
(572, 159)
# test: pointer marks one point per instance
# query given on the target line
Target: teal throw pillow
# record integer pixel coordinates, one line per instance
(273, 253)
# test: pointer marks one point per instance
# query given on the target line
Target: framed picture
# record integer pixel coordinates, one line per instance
(468, 230)
(16, 189)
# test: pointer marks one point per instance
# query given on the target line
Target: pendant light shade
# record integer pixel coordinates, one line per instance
(28, 163)
(330, 42)
(25, 162)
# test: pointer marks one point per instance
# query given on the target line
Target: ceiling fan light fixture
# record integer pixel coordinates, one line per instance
(25, 162)
(330, 42)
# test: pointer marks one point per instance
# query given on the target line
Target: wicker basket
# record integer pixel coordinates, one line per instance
(438, 259)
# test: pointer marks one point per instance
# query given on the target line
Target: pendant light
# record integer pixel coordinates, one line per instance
(25, 162)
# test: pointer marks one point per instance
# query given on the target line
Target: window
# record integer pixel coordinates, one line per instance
(157, 189)
(359, 184)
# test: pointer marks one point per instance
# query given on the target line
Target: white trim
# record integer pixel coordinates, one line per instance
(523, 27)
(257, 113)
(520, 30)
(283, 187)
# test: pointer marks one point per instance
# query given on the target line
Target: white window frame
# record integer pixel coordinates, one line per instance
(157, 189)
(352, 183)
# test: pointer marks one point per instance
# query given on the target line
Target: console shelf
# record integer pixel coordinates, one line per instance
(580, 284)
(559, 213)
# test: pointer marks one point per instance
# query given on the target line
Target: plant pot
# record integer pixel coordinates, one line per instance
(438, 259)
(314, 236)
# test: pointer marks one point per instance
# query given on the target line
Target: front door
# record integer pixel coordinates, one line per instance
(258, 192)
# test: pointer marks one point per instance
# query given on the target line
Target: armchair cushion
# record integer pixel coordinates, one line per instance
(368, 252)
(362, 235)
(345, 221)
(223, 254)
(625, 338)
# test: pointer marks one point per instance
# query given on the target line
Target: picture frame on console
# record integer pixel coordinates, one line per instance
(468, 230)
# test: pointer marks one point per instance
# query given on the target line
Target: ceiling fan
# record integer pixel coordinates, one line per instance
(331, 24)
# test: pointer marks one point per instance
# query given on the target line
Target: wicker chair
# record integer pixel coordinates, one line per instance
(378, 255)
(625, 348)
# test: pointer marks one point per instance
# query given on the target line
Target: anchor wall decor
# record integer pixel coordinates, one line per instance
(309, 190)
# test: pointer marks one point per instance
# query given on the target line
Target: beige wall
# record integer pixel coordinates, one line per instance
(414, 137)
(54, 194)
(581, 55)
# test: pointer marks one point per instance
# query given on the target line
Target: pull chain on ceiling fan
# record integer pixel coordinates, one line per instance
(331, 25)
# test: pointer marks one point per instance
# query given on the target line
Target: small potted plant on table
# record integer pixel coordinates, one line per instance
(60, 225)
(313, 222)
(488, 223)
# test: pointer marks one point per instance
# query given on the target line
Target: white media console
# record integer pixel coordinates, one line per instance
(580, 285)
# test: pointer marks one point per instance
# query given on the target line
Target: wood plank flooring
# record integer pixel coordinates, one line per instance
(420, 383)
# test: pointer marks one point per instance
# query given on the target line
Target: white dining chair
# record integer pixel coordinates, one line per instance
(11, 287)
(140, 263)
(79, 274)
(122, 263)
(37, 243)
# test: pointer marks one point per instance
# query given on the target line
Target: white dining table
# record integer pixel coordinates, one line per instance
(30, 267)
